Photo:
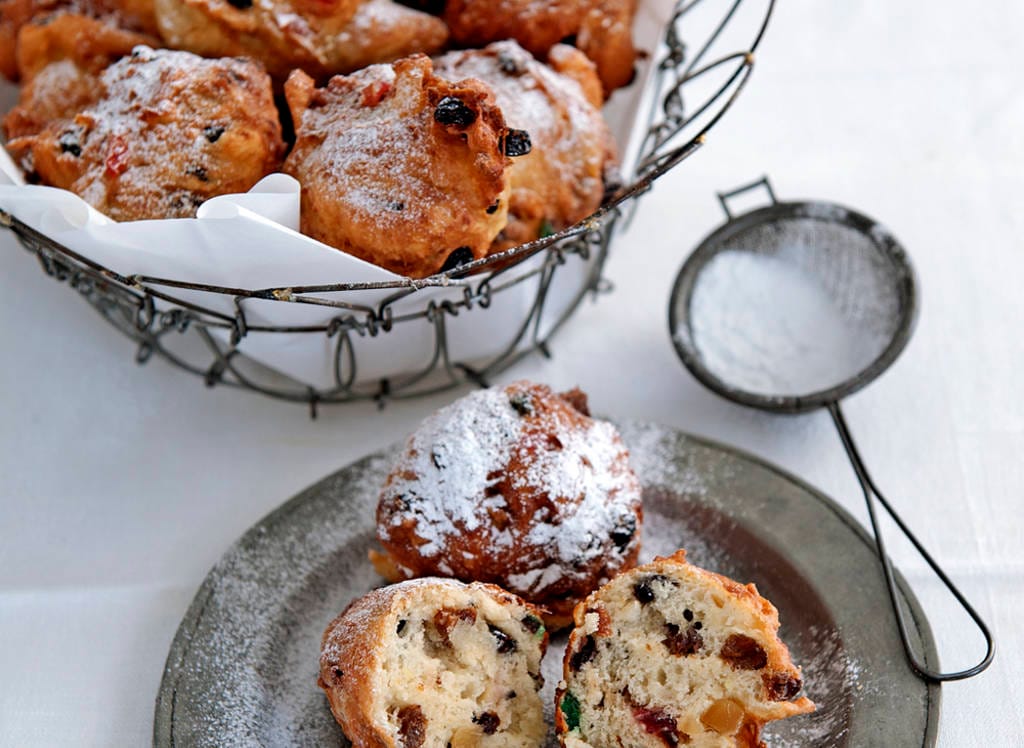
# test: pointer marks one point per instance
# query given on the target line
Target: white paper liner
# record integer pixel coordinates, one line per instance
(252, 241)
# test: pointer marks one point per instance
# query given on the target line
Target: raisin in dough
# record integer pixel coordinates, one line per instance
(400, 167)
(436, 663)
(168, 131)
(516, 486)
(669, 654)
(561, 180)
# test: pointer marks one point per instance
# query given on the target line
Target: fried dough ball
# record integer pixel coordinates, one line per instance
(601, 29)
(110, 17)
(399, 166)
(168, 131)
(515, 486)
(561, 180)
(61, 61)
(321, 37)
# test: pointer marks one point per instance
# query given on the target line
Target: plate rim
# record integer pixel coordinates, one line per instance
(163, 717)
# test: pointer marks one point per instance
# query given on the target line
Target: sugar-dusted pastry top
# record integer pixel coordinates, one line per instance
(166, 131)
(61, 59)
(399, 166)
(516, 486)
(415, 168)
(562, 179)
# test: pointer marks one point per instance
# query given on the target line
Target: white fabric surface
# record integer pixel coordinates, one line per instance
(120, 486)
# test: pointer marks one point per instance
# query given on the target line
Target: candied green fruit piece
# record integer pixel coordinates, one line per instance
(570, 707)
(534, 625)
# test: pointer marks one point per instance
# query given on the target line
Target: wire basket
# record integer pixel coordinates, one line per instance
(206, 341)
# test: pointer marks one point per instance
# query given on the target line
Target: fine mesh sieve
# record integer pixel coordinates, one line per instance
(791, 307)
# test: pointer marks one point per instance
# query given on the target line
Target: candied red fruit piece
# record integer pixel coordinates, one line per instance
(658, 722)
(116, 162)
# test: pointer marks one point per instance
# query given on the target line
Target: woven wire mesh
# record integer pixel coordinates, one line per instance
(206, 341)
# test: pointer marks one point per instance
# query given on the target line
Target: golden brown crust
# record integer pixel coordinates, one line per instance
(138, 15)
(537, 26)
(399, 166)
(111, 16)
(606, 37)
(548, 538)
(60, 62)
(13, 15)
(59, 91)
(92, 43)
(168, 131)
(320, 37)
(569, 62)
(602, 29)
(561, 180)
(348, 663)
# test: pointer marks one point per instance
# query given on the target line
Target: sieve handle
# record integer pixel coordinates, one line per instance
(871, 493)
(724, 197)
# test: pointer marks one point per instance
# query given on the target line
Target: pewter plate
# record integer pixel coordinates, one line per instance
(242, 668)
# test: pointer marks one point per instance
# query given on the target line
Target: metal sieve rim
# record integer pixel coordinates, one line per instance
(881, 238)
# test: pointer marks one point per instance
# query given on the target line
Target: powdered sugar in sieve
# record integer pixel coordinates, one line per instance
(793, 307)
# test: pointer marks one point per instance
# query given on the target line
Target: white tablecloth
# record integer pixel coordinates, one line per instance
(120, 486)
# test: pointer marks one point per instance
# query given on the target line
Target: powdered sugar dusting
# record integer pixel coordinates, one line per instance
(831, 677)
(145, 148)
(590, 472)
(375, 151)
(143, 82)
(476, 458)
(763, 325)
(798, 306)
(462, 448)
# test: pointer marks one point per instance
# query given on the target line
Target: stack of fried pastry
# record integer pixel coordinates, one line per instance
(414, 152)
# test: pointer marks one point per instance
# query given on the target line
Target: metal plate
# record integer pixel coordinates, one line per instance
(242, 668)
